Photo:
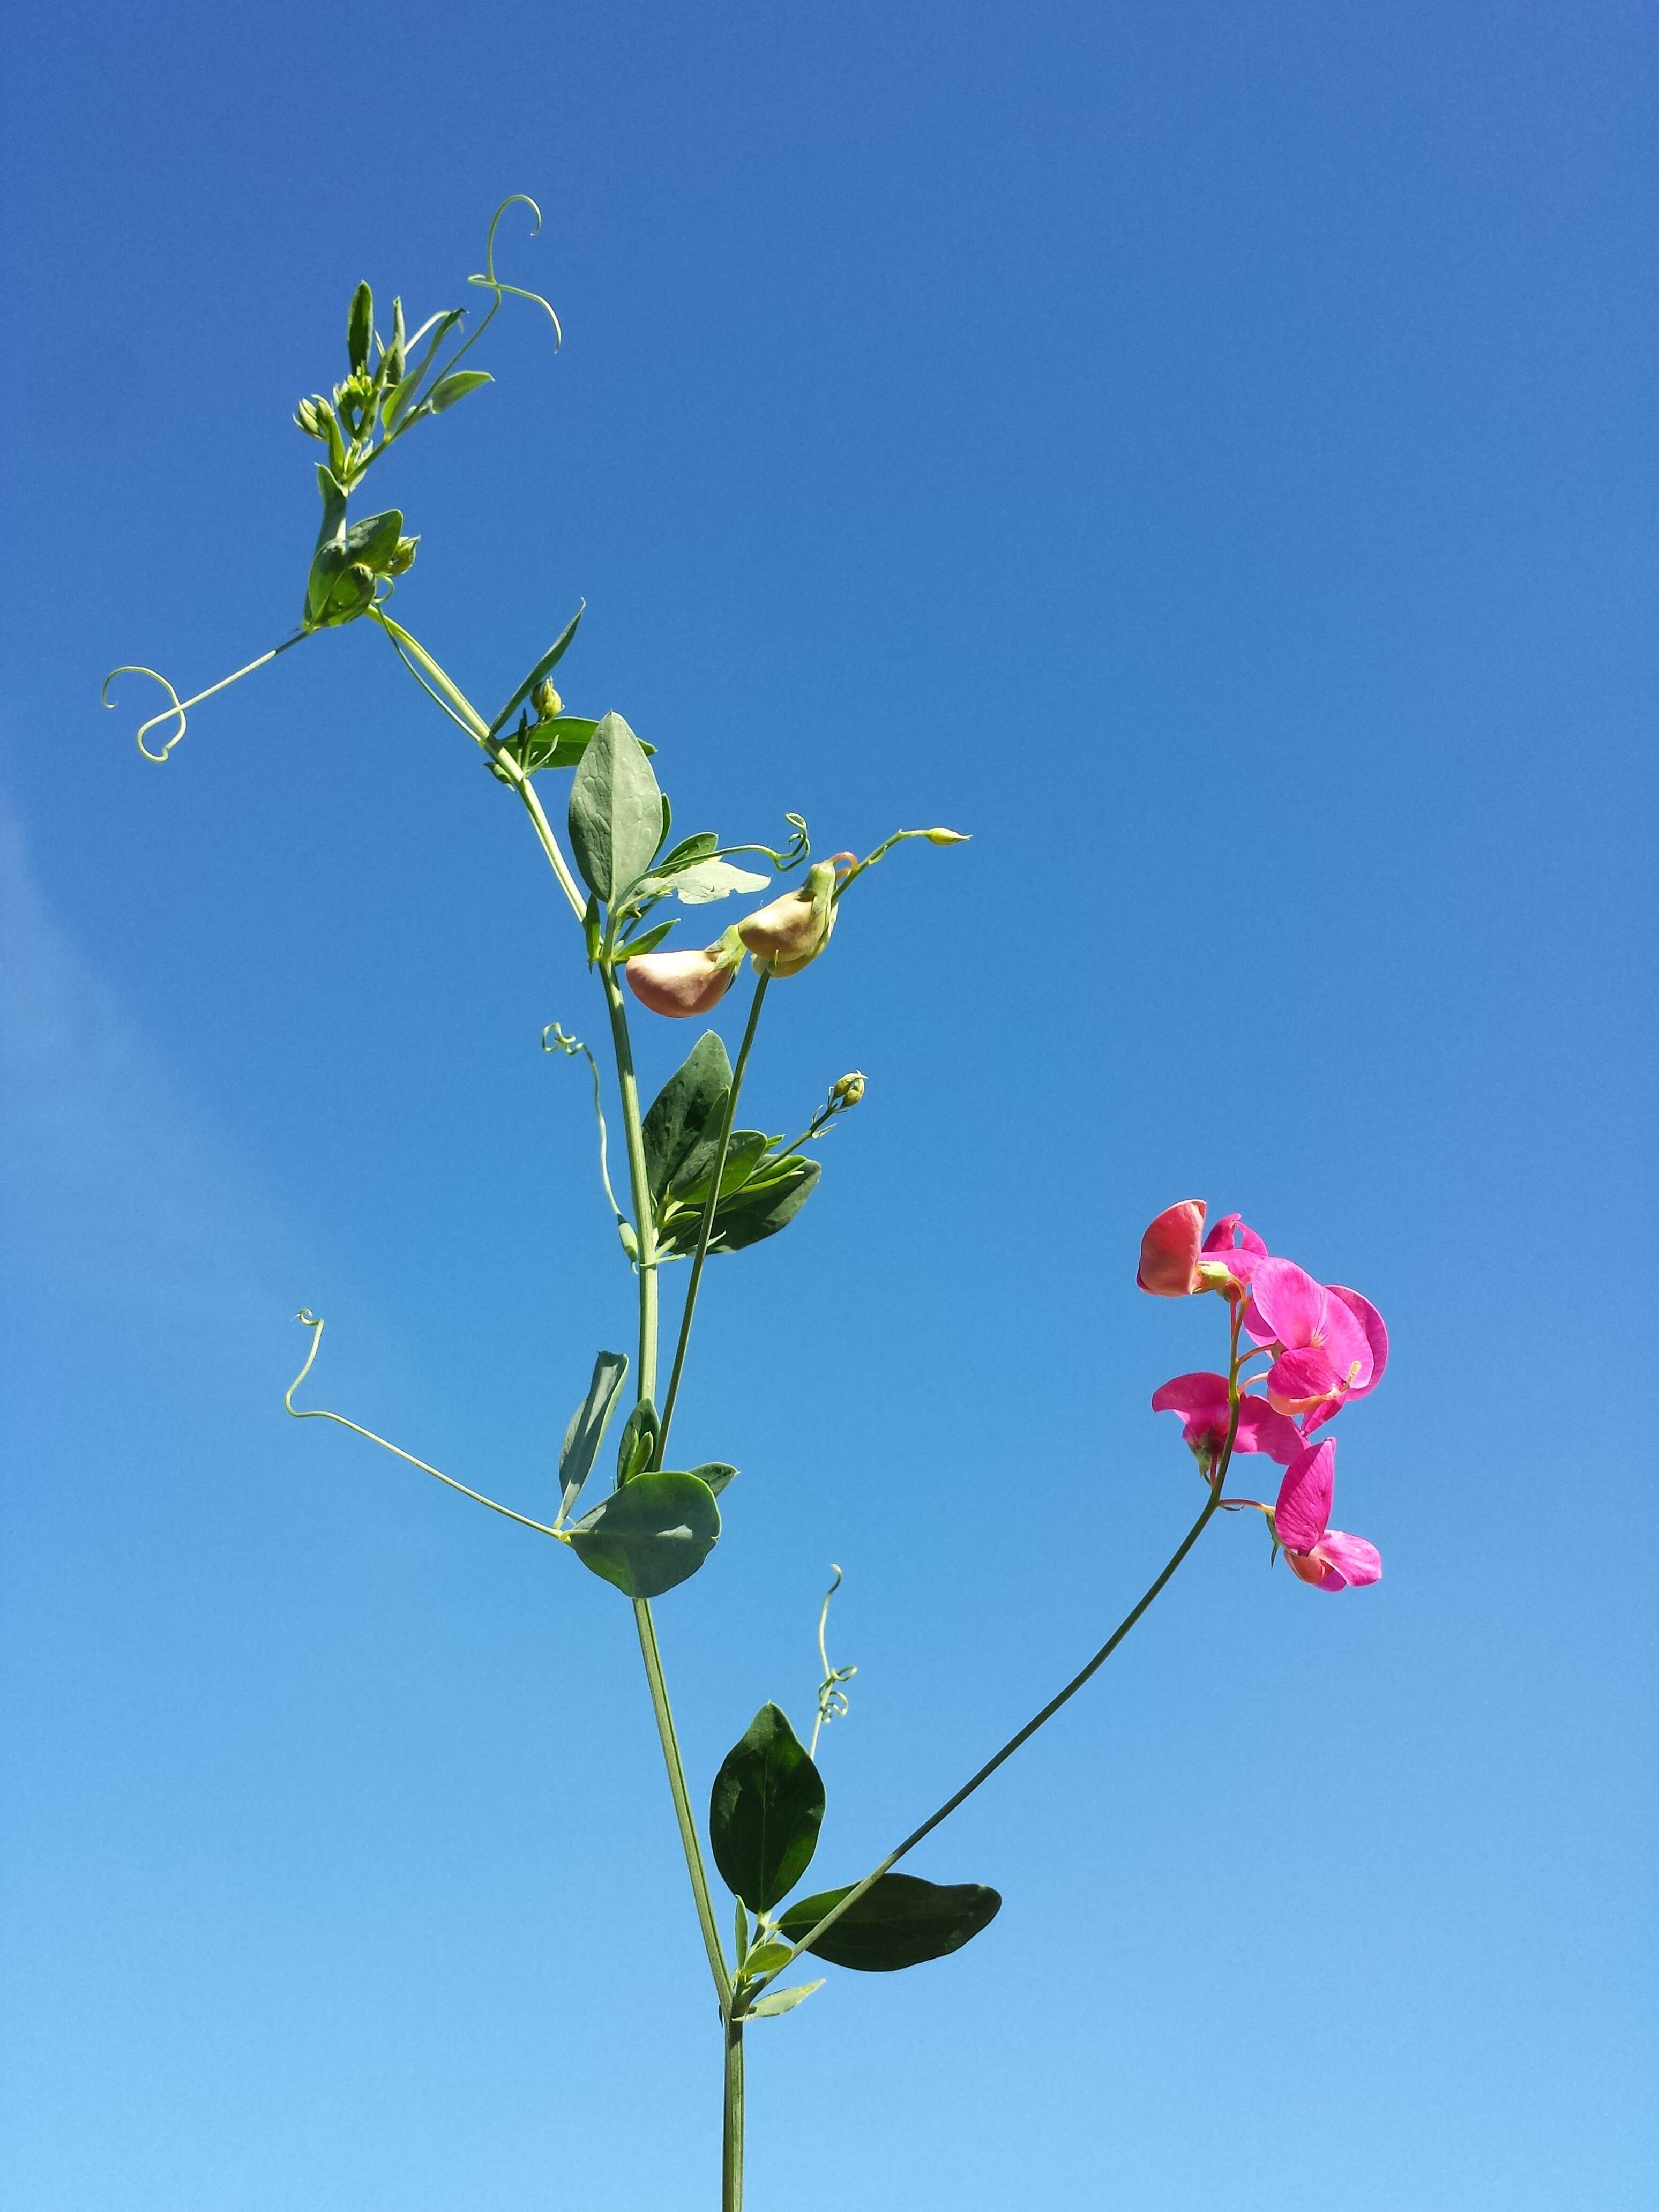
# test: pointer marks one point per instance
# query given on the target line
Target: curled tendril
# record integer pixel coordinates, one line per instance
(832, 1697)
(181, 706)
(571, 1046)
(782, 858)
(491, 282)
(314, 1323)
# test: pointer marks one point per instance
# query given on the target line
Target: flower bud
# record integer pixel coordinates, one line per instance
(546, 700)
(402, 558)
(848, 1090)
(794, 929)
(360, 325)
(682, 983)
(947, 836)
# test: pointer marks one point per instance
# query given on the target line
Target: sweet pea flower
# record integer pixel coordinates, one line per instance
(1316, 1553)
(794, 929)
(1178, 1259)
(1330, 1343)
(682, 983)
(1201, 1401)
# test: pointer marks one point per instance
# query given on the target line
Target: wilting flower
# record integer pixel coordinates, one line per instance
(1178, 1259)
(1201, 1401)
(681, 983)
(794, 929)
(1316, 1553)
(1331, 1342)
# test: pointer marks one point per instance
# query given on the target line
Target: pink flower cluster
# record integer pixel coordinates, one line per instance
(1325, 1345)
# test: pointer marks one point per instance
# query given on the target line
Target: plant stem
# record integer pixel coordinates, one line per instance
(645, 1228)
(732, 2130)
(645, 1379)
(706, 1229)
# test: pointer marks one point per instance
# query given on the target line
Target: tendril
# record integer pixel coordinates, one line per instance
(314, 1323)
(832, 1699)
(491, 282)
(571, 1046)
(181, 706)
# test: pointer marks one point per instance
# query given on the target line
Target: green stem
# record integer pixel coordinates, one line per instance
(706, 1229)
(645, 1379)
(1063, 1697)
(731, 2131)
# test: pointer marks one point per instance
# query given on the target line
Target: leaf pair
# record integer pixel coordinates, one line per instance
(656, 1528)
(760, 1191)
(764, 1815)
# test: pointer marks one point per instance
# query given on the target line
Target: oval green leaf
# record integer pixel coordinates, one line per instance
(587, 1425)
(653, 1532)
(765, 1811)
(616, 810)
(448, 389)
(690, 1102)
(899, 1921)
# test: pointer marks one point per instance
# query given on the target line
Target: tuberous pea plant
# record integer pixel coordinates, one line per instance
(698, 1187)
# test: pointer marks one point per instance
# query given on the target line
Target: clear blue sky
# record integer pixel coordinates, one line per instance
(1208, 452)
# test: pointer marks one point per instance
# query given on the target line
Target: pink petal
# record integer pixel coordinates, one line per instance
(1341, 1336)
(1220, 1238)
(1298, 1382)
(1262, 1430)
(1288, 1301)
(680, 983)
(1348, 1560)
(1193, 1394)
(1376, 1335)
(1169, 1250)
(1305, 1497)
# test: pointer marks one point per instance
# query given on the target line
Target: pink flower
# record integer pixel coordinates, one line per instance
(681, 983)
(1178, 1259)
(1201, 1401)
(1316, 1553)
(1331, 1342)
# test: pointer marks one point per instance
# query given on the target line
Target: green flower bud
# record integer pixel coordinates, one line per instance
(546, 700)
(360, 326)
(947, 836)
(848, 1090)
(402, 560)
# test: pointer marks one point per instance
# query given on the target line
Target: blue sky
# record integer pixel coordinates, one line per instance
(1209, 453)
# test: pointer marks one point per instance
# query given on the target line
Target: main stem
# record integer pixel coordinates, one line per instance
(644, 1230)
(731, 2129)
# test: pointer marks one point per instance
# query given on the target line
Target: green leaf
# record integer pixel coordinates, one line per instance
(616, 810)
(898, 1922)
(765, 1811)
(549, 659)
(768, 1201)
(706, 880)
(647, 943)
(637, 1442)
(692, 1099)
(360, 326)
(765, 1957)
(652, 1534)
(587, 1427)
(690, 1184)
(374, 541)
(740, 1928)
(696, 847)
(716, 1474)
(448, 389)
(403, 396)
(777, 2001)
